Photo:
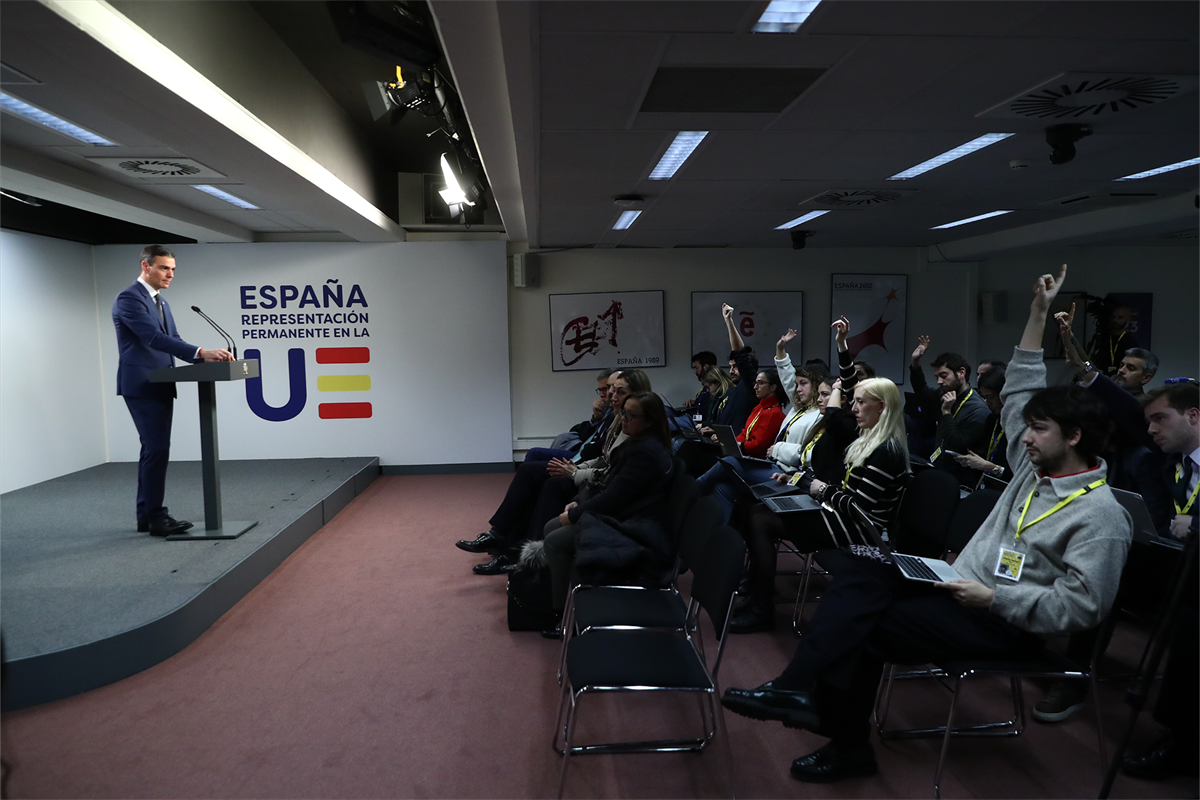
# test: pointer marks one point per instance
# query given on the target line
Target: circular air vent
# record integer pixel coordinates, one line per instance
(1086, 95)
(856, 198)
(159, 168)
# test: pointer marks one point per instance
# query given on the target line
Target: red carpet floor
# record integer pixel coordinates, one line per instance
(372, 663)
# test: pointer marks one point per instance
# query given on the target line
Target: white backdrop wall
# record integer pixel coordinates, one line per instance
(546, 403)
(434, 325)
(51, 403)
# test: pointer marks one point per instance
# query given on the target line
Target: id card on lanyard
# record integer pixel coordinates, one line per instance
(938, 453)
(1010, 562)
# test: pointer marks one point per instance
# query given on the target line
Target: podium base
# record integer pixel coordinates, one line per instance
(231, 529)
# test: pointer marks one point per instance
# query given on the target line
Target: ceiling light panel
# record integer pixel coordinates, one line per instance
(785, 16)
(950, 155)
(221, 194)
(1137, 176)
(37, 115)
(625, 220)
(801, 220)
(956, 223)
(685, 142)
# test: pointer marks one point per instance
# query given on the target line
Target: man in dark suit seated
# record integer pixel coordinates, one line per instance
(147, 340)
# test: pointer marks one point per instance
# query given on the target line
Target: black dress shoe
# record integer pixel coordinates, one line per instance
(499, 565)
(144, 524)
(753, 617)
(1167, 758)
(486, 542)
(834, 763)
(796, 709)
(168, 526)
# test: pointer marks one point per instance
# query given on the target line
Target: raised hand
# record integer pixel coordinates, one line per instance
(922, 346)
(727, 311)
(1065, 320)
(841, 327)
(787, 337)
(1046, 289)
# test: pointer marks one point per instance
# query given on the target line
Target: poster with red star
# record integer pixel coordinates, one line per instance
(876, 306)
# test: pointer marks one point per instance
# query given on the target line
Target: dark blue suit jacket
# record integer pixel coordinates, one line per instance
(145, 345)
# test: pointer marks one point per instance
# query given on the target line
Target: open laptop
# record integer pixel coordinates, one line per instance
(1143, 526)
(914, 568)
(762, 490)
(793, 503)
(730, 446)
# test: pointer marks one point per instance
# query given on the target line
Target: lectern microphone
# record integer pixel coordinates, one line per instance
(220, 330)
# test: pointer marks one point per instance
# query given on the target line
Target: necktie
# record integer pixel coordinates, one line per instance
(1180, 490)
(162, 314)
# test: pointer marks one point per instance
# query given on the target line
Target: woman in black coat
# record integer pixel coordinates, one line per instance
(623, 530)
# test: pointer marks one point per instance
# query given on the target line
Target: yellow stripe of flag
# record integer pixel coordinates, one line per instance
(343, 383)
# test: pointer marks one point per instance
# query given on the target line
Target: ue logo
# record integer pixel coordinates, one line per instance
(298, 385)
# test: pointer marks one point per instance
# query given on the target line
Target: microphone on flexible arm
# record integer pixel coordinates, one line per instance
(219, 329)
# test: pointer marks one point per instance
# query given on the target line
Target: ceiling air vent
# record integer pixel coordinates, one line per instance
(728, 90)
(1087, 95)
(856, 198)
(1188, 234)
(1098, 199)
(158, 168)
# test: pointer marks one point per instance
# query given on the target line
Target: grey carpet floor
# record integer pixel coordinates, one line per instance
(74, 570)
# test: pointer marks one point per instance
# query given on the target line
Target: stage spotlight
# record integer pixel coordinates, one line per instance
(462, 188)
(1062, 139)
(416, 92)
(799, 238)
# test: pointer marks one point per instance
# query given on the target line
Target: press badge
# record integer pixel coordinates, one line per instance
(795, 479)
(1008, 564)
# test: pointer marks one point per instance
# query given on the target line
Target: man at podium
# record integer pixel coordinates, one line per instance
(148, 340)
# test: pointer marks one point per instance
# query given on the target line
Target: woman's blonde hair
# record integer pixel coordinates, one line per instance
(889, 430)
(716, 375)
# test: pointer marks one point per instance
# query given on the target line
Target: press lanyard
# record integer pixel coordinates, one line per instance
(937, 453)
(846, 479)
(750, 426)
(783, 433)
(1112, 349)
(1021, 526)
(997, 435)
(1192, 499)
(804, 456)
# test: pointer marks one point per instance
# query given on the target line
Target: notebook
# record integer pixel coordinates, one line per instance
(730, 446)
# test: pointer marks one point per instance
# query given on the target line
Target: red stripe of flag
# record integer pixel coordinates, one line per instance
(343, 355)
(344, 410)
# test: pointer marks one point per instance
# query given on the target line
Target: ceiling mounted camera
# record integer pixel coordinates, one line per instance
(1062, 139)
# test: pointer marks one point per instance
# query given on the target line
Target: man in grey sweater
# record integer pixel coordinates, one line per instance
(1047, 560)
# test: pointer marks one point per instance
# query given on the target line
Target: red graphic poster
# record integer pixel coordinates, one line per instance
(876, 306)
(603, 329)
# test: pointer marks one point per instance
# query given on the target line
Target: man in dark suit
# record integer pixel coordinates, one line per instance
(148, 340)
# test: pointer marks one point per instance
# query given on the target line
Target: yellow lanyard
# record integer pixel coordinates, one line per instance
(1112, 351)
(1192, 499)
(750, 424)
(1021, 526)
(846, 479)
(783, 433)
(937, 453)
(804, 456)
(997, 435)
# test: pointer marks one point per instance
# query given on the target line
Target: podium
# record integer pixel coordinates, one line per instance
(205, 377)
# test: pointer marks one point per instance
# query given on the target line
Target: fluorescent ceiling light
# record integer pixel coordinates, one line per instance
(221, 194)
(1191, 162)
(35, 114)
(970, 219)
(137, 47)
(784, 16)
(685, 142)
(800, 220)
(625, 220)
(950, 155)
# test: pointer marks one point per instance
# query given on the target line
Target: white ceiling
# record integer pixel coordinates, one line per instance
(553, 91)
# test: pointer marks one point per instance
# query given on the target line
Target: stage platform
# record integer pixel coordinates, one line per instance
(85, 600)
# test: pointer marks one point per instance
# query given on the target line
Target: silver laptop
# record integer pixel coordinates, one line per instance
(914, 568)
(730, 446)
(792, 503)
(1143, 526)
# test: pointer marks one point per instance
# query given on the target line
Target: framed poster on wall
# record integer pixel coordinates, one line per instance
(876, 306)
(607, 329)
(761, 318)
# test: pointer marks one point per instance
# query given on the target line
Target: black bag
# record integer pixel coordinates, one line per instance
(530, 603)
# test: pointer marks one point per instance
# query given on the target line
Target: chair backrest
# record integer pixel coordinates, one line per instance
(923, 523)
(681, 496)
(701, 520)
(716, 575)
(971, 512)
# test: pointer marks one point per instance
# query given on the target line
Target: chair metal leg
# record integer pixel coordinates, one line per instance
(568, 737)
(560, 722)
(937, 775)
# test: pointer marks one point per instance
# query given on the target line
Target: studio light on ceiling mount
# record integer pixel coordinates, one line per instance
(784, 16)
(685, 142)
(34, 114)
(956, 223)
(221, 194)
(950, 155)
(1137, 176)
(787, 226)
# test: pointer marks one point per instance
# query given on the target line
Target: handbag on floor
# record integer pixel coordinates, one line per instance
(530, 606)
